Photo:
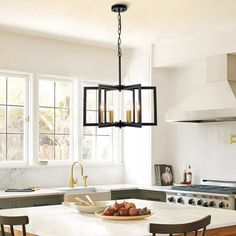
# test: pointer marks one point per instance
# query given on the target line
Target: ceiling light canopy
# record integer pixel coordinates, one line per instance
(119, 105)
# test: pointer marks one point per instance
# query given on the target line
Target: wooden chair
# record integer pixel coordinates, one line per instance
(13, 221)
(181, 229)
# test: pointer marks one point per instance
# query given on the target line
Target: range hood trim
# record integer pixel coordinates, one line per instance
(221, 76)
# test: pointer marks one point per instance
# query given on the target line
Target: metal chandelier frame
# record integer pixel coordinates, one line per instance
(136, 119)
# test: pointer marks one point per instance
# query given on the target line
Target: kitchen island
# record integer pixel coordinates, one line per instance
(62, 220)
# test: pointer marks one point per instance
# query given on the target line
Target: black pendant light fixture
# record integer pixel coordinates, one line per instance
(103, 114)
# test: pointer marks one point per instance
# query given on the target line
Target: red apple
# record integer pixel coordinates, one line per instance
(108, 211)
(124, 211)
(133, 211)
(129, 205)
(116, 206)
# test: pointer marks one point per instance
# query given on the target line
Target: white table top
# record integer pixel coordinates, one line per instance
(62, 220)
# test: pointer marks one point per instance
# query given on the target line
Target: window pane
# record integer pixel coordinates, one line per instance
(62, 121)
(92, 100)
(14, 147)
(46, 93)
(15, 120)
(104, 131)
(2, 147)
(46, 147)
(91, 117)
(15, 91)
(46, 120)
(2, 90)
(89, 130)
(63, 92)
(104, 148)
(89, 147)
(62, 147)
(2, 119)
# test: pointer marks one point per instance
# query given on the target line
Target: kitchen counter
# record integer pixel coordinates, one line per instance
(40, 192)
(117, 187)
(61, 190)
(62, 220)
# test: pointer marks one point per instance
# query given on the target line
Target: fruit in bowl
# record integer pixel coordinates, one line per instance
(125, 209)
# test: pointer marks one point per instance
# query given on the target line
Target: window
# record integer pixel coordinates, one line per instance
(54, 119)
(98, 143)
(13, 117)
(47, 128)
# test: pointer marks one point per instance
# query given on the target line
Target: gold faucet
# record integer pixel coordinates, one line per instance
(73, 180)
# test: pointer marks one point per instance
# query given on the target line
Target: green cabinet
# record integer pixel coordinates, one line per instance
(152, 195)
(39, 201)
(6, 203)
(31, 201)
(139, 194)
(124, 194)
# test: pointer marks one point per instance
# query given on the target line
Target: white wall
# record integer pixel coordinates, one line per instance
(159, 132)
(47, 56)
(204, 146)
(137, 141)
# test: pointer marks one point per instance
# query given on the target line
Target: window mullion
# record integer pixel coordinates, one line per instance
(6, 116)
(54, 125)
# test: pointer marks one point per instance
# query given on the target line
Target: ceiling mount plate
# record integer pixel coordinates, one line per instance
(119, 8)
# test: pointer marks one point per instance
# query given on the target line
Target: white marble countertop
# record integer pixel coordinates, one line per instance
(40, 192)
(62, 220)
(110, 187)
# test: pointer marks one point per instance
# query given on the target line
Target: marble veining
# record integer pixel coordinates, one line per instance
(11, 177)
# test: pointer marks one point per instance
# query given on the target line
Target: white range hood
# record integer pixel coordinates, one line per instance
(216, 100)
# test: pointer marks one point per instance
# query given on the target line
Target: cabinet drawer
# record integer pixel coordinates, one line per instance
(124, 194)
(7, 203)
(39, 201)
(139, 194)
(153, 195)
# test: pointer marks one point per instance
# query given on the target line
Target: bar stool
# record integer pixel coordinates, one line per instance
(13, 221)
(173, 229)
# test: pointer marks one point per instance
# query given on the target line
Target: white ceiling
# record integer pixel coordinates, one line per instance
(145, 22)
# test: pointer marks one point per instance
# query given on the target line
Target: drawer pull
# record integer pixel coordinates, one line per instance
(154, 199)
(36, 205)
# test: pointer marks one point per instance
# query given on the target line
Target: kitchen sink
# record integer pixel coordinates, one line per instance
(81, 190)
(95, 193)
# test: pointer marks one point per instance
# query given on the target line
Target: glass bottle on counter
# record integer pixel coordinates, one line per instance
(189, 175)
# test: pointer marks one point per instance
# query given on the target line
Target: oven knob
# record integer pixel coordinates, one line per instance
(205, 204)
(171, 199)
(212, 203)
(199, 202)
(180, 200)
(221, 205)
(191, 201)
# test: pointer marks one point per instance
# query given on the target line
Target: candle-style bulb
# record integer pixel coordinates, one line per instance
(102, 113)
(138, 112)
(128, 113)
(111, 113)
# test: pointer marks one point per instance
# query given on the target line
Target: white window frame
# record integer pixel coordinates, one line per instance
(27, 111)
(31, 128)
(116, 134)
(72, 152)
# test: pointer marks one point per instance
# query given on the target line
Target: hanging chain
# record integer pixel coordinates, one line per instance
(119, 34)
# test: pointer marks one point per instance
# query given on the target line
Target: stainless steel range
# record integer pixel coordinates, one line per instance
(211, 193)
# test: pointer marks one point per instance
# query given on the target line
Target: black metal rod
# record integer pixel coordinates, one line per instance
(155, 105)
(119, 63)
(140, 105)
(85, 104)
(134, 106)
(99, 105)
(105, 105)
